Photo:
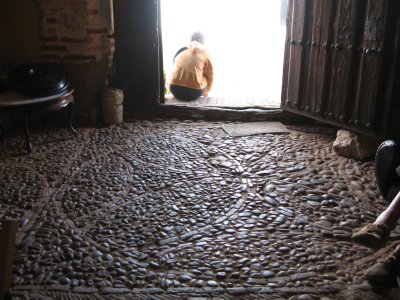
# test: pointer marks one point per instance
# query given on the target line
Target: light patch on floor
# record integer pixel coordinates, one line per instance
(252, 128)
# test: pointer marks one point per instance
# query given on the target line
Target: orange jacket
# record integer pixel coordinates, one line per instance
(193, 68)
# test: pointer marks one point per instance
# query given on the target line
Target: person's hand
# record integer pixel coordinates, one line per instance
(205, 94)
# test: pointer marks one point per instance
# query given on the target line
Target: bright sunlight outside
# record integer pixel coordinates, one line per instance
(245, 39)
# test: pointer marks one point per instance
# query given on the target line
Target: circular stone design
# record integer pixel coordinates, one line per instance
(23, 192)
(180, 206)
(135, 199)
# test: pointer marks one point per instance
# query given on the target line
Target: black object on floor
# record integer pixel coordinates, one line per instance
(387, 159)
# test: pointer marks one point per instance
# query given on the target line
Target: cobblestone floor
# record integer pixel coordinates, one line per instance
(170, 209)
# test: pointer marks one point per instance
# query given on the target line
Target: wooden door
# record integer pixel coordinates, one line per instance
(138, 52)
(339, 58)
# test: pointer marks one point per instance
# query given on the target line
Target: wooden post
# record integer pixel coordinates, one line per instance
(7, 249)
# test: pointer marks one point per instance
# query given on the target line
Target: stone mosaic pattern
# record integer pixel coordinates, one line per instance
(170, 209)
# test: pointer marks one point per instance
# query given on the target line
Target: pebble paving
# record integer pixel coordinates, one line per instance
(168, 209)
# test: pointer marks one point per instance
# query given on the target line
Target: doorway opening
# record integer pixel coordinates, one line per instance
(246, 41)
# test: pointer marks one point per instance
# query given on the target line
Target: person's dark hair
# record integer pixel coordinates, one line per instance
(197, 36)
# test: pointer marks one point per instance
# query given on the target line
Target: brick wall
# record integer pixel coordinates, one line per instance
(75, 31)
(78, 35)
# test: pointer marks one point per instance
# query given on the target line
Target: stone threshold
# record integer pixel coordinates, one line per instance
(86, 293)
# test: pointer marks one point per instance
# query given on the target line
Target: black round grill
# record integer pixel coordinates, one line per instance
(38, 80)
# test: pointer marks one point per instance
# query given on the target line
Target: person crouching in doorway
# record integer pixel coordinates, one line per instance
(192, 75)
